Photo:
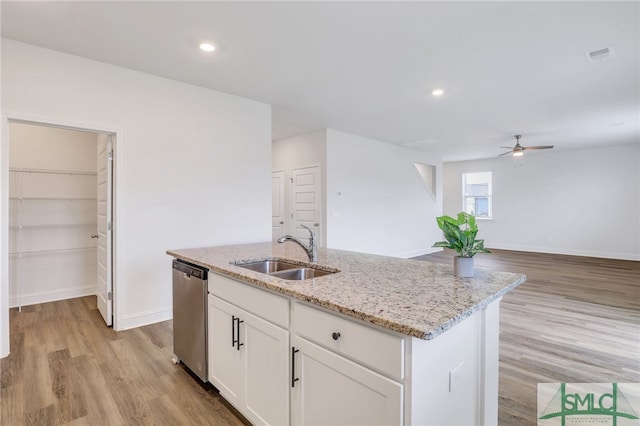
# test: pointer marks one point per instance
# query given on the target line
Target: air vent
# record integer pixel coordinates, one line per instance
(600, 54)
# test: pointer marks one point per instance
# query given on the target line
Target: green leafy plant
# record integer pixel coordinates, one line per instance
(460, 234)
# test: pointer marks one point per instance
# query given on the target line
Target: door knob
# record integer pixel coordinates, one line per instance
(94, 235)
(281, 223)
(316, 224)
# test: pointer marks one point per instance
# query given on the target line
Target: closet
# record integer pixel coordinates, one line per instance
(52, 214)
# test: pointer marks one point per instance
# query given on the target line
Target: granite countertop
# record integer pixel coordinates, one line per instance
(416, 298)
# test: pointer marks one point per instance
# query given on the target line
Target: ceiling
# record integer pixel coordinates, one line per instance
(369, 68)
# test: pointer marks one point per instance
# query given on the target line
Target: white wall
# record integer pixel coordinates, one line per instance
(54, 255)
(299, 151)
(376, 200)
(193, 165)
(583, 202)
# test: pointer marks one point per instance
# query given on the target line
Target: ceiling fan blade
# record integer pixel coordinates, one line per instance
(506, 147)
(508, 152)
(538, 147)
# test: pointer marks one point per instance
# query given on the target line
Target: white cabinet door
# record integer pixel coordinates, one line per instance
(249, 362)
(332, 390)
(266, 349)
(226, 368)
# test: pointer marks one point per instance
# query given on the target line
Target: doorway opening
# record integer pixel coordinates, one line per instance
(60, 215)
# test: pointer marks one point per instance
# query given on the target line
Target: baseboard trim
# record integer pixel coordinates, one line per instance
(569, 252)
(50, 296)
(145, 318)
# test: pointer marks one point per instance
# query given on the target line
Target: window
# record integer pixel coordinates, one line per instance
(476, 194)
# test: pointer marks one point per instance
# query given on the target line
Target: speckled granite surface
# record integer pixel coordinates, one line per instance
(416, 298)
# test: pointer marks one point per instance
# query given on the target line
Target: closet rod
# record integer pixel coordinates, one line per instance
(52, 171)
(38, 252)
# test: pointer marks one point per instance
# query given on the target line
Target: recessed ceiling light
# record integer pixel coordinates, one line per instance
(207, 47)
(438, 92)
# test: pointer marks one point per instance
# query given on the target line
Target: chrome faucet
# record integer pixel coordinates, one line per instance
(312, 249)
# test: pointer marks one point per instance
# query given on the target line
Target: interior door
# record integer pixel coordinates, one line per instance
(278, 215)
(104, 290)
(306, 202)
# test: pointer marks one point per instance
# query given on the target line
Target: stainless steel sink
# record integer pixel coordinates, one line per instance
(301, 274)
(284, 270)
(268, 266)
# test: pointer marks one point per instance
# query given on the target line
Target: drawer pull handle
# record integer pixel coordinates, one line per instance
(335, 335)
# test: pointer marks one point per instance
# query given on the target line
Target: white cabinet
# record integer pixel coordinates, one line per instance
(226, 363)
(248, 355)
(333, 366)
(341, 371)
(332, 390)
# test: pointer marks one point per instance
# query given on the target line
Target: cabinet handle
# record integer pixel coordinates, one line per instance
(233, 330)
(335, 335)
(294, 379)
(238, 344)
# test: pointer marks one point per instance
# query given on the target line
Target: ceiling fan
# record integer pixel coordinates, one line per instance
(518, 150)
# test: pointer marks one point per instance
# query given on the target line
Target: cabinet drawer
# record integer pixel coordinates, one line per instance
(364, 344)
(261, 303)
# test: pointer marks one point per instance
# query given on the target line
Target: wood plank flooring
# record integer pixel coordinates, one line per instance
(67, 368)
(575, 320)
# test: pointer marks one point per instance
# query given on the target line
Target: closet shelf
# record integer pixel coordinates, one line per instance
(55, 251)
(53, 225)
(54, 198)
(52, 171)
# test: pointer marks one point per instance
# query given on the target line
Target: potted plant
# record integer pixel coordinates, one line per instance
(460, 235)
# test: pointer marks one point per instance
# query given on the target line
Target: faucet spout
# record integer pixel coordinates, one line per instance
(311, 249)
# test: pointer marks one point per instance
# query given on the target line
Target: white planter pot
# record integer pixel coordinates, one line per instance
(463, 267)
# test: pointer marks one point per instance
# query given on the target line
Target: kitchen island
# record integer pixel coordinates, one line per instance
(381, 341)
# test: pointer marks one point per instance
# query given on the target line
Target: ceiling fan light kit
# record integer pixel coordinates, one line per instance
(518, 150)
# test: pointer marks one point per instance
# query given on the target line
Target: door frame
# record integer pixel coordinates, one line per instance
(117, 138)
(283, 200)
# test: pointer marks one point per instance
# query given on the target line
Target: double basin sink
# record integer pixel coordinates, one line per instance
(284, 270)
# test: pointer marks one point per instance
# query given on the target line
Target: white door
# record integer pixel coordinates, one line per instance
(278, 215)
(306, 202)
(332, 390)
(104, 289)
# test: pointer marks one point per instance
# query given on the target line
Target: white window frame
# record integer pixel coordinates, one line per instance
(489, 194)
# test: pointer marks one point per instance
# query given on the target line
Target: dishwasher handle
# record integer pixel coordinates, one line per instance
(189, 270)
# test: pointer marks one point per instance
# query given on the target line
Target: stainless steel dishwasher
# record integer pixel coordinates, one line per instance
(190, 317)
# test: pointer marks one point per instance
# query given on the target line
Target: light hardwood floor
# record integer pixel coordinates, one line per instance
(67, 367)
(574, 320)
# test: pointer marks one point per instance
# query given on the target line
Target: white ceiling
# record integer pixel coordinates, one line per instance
(368, 68)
